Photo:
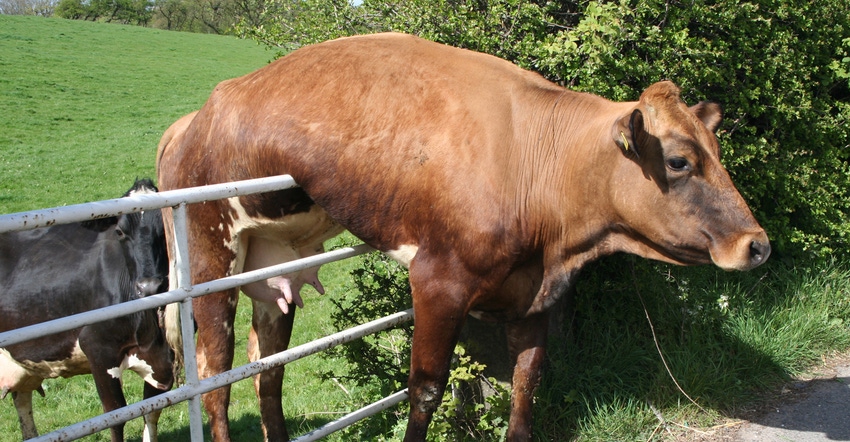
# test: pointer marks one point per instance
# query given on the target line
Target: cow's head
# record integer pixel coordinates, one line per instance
(142, 238)
(670, 191)
(143, 241)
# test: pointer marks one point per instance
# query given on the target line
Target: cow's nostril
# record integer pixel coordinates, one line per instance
(759, 252)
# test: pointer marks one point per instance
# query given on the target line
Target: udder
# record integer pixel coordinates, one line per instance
(282, 290)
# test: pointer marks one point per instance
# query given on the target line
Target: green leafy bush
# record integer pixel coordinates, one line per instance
(778, 67)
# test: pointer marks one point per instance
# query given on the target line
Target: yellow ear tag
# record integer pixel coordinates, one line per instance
(625, 141)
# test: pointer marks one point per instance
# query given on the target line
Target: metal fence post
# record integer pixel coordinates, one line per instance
(187, 328)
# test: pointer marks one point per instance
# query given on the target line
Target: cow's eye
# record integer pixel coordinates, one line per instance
(678, 164)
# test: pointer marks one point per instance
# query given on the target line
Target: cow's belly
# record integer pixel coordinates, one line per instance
(27, 375)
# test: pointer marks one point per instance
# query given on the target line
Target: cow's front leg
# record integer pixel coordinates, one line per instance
(440, 306)
(152, 419)
(151, 431)
(214, 315)
(527, 346)
(270, 334)
(105, 361)
(23, 405)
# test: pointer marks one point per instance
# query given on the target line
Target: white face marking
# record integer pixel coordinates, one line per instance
(142, 191)
(404, 254)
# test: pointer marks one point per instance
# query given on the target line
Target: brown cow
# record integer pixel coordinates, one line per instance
(252, 242)
(492, 184)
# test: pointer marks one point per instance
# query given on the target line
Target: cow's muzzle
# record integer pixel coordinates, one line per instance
(148, 286)
(747, 251)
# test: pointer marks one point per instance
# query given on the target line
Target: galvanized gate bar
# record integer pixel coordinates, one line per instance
(183, 281)
(136, 203)
(177, 295)
(184, 293)
(141, 408)
(351, 418)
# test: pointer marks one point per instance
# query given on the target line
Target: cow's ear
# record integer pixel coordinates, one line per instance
(710, 113)
(627, 131)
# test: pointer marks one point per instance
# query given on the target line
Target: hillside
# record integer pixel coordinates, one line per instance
(82, 104)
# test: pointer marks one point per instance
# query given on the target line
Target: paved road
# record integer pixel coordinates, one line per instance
(820, 412)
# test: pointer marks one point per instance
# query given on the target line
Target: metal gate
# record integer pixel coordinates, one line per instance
(193, 388)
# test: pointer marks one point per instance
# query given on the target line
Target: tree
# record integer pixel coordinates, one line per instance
(136, 12)
(207, 16)
(27, 7)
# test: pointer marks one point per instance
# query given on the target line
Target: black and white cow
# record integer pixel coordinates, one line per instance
(62, 270)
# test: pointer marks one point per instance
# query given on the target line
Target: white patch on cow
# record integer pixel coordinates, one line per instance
(404, 254)
(27, 375)
(140, 367)
(233, 233)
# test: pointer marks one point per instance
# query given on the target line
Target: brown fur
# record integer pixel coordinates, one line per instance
(506, 183)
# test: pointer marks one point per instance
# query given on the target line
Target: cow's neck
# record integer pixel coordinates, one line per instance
(569, 142)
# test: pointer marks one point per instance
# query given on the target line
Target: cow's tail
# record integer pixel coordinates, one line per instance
(174, 337)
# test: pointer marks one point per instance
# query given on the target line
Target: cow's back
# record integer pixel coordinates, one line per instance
(443, 120)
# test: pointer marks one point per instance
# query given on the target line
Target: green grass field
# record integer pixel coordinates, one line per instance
(82, 107)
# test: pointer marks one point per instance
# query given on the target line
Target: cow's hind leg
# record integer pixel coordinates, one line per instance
(270, 334)
(215, 315)
(23, 404)
(527, 345)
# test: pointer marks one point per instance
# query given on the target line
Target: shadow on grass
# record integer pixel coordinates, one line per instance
(246, 428)
(723, 336)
